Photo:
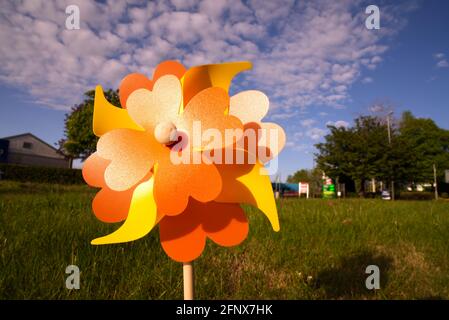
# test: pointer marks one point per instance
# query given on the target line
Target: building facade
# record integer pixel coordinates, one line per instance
(27, 149)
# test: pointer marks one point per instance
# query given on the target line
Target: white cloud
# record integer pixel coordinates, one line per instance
(289, 144)
(377, 108)
(303, 53)
(298, 135)
(338, 124)
(184, 4)
(367, 80)
(307, 122)
(315, 133)
(296, 143)
(442, 64)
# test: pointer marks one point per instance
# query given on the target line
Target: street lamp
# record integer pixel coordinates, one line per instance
(389, 142)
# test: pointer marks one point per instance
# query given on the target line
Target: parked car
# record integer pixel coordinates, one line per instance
(386, 195)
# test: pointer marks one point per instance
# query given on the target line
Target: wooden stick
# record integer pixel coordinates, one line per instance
(187, 268)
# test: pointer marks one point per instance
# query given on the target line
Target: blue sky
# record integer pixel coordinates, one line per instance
(316, 61)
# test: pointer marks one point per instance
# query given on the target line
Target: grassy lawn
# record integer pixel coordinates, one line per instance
(321, 251)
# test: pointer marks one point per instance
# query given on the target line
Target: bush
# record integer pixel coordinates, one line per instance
(415, 195)
(40, 174)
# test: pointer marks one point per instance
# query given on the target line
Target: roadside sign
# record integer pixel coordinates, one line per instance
(303, 187)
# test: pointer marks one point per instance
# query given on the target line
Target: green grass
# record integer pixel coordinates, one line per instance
(321, 251)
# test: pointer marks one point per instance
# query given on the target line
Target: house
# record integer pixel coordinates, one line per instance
(27, 149)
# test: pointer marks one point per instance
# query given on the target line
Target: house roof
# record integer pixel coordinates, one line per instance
(32, 135)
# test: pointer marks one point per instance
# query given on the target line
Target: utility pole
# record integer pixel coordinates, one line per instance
(389, 142)
(435, 181)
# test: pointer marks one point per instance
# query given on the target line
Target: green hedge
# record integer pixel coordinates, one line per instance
(417, 195)
(40, 174)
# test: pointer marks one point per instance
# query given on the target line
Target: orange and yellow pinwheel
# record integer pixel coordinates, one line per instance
(191, 200)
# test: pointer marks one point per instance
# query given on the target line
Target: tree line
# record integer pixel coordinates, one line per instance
(404, 152)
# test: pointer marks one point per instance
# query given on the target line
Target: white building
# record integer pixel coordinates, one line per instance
(27, 149)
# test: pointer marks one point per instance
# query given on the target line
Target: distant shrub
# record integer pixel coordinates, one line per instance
(40, 174)
(372, 195)
(416, 195)
(352, 195)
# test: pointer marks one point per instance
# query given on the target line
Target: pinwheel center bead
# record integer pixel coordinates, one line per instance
(165, 133)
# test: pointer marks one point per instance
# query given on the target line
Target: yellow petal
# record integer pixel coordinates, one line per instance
(107, 117)
(252, 187)
(142, 217)
(219, 75)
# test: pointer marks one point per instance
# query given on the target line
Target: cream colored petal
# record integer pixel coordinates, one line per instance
(132, 154)
(148, 108)
(249, 106)
(272, 137)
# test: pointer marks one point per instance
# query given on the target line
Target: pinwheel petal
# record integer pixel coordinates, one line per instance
(112, 206)
(249, 106)
(182, 237)
(93, 170)
(224, 223)
(132, 154)
(249, 184)
(219, 75)
(199, 181)
(108, 117)
(169, 67)
(272, 139)
(206, 111)
(131, 83)
(135, 81)
(142, 217)
(148, 108)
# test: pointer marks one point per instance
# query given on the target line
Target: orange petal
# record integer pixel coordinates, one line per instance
(132, 154)
(132, 82)
(175, 183)
(135, 81)
(207, 109)
(93, 170)
(112, 206)
(169, 67)
(182, 237)
(225, 223)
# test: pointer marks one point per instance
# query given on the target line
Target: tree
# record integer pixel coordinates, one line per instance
(430, 145)
(359, 152)
(302, 175)
(79, 140)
